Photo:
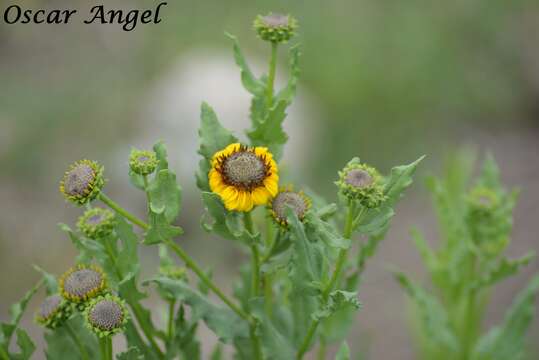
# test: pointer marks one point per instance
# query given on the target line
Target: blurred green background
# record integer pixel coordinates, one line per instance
(386, 80)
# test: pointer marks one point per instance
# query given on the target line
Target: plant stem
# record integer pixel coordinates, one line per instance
(170, 329)
(271, 75)
(4, 354)
(105, 347)
(255, 284)
(190, 263)
(73, 334)
(257, 349)
(137, 310)
(126, 214)
(341, 260)
(322, 349)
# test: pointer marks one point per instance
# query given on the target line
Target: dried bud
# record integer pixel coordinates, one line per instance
(82, 182)
(143, 162)
(361, 182)
(276, 28)
(97, 223)
(106, 315)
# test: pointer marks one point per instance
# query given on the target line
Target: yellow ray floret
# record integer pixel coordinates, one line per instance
(244, 176)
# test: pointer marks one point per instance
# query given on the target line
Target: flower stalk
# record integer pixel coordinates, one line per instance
(271, 74)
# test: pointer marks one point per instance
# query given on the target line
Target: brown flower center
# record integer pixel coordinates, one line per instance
(106, 315)
(244, 169)
(81, 282)
(358, 178)
(289, 199)
(78, 179)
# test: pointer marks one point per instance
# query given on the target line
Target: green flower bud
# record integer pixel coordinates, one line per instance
(54, 310)
(82, 282)
(143, 162)
(276, 28)
(106, 315)
(97, 223)
(82, 182)
(361, 182)
(287, 198)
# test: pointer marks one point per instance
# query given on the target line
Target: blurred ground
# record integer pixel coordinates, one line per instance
(384, 80)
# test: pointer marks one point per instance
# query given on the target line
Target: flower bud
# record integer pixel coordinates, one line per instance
(54, 310)
(82, 182)
(361, 182)
(81, 283)
(276, 28)
(97, 223)
(285, 199)
(143, 162)
(106, 315)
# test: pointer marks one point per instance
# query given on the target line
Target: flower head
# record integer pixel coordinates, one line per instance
(275, 27)
(483, 200)
(97, 223)
(82, 182)
(287, 198)
(243, 177)
(54, 310)
(106, 315)
(143, 162)
(81, 283)
(361, 182)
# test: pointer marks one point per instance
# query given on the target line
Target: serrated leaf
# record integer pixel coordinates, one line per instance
(249, 81)
(434, 318)
(160, 150)
(51, 284)
(316, 227)
(269, 132)
(213, 137)
(185, 338)
(132, 353)
(160, 229)
(289, 91)
(62, 346)
(507, 340)
(338, 300)
(222, 321)
(502, 270)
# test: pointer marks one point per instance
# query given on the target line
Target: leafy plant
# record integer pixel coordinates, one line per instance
(475, 225)
(300, 286)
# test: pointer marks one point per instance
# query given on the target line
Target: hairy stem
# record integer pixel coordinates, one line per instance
(271, 75)
(124, 213)
(76, 340)
(341, 260)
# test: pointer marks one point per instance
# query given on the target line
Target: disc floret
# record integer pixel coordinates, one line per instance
(143, 162)
(106, 315)
(54, 310)
(358, 181)
(276, 28)
(82, 182)
(82, 283)
(97, 223)
(243, 176)
(288, 198)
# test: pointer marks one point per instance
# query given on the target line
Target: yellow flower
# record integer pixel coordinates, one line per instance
(244, 177)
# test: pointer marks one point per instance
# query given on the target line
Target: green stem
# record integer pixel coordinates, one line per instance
(76, 340)
(120, 210)
(322, 349)
(249, 226)
(271, 75)
(4, 354)
(190, 263)
(257, 348)
(341, 260)
(105, 347)
(145, 327)
(170, 329)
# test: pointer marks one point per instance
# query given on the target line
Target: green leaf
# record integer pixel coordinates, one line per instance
(51, 284)
(316, 227)
(344, 352)
(185, 340)
(128, 260)
(217, 353)
(269, 132)
(135, 341)
(165, 195)
(222, 321)
(502, 270)
(434, 320)
(160, 150)
(132, 353)
(507, 340)
(249, 81)
(213, 137)
(289, 91)
(62, 346)
(160, 229)
(25, 344)
(338, 300)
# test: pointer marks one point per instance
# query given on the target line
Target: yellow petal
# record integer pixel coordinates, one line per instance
(271, 184)
(260, 196)
(229, 193)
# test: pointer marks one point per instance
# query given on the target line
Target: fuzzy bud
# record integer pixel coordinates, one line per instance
(361, 182)
(54, 310)
(82, 182)
(97, 223)
(276, 28)
(106, 315)
(143, 162)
